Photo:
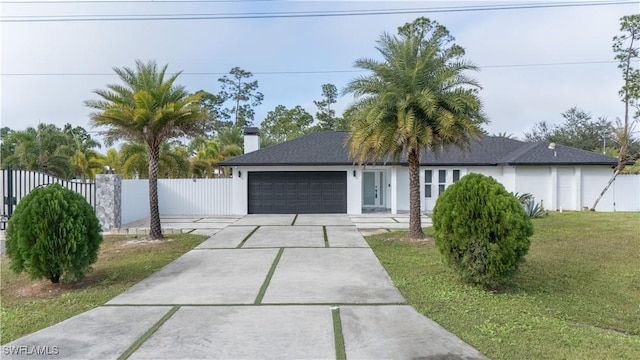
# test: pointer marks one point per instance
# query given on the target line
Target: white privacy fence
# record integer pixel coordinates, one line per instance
(623, 195)
(177, 197)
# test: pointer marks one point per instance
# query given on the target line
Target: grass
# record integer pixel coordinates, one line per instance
(577, 296)
(30, 305)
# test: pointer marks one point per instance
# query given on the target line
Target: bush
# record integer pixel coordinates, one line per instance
(530, 207)
(481, 230)
(53, 233)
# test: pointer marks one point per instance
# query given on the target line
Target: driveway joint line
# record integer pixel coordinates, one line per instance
(261, 304)
(136, 344)
(267, 280)
(326, 238)
(294, 220)
(247, 237)
(338, 337)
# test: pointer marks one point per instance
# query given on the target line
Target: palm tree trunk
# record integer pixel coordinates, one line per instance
(415, 220)
(155, 230)
(605, 189)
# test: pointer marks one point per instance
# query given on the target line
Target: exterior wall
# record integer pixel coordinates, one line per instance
(571, 188)
(403, 189)
(178, 197)
(558, 187)
(241, 178)
(535, 180)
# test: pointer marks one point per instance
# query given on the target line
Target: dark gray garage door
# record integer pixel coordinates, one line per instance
(298, 192)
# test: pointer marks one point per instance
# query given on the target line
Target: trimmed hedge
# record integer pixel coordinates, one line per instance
(481, 230)
(53, 233)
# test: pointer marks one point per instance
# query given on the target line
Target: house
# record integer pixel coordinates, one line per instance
(315, 174)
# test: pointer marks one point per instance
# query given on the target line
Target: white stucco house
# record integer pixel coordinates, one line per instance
(315, 174)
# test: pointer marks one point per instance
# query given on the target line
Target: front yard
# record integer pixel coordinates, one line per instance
(577, 296)
(29, 305)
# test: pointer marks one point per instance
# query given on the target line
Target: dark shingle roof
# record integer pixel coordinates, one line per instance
(328, 148)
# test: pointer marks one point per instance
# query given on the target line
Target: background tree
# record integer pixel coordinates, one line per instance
(417, 98)
(150, 109)
(243, 94)
(578, 130)
(172, 163)
(627, 52)
(112, 159)
(231, 141)
(46, 148)
(216, 119)
(504, 134)
(326, 116)
(86, 164)
(282, 124)
(206, 155)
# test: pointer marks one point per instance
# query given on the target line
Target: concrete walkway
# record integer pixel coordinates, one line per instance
(261, 287)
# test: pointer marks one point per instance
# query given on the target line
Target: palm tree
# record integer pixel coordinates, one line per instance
(206, 155)
(172, 162)
(417, 98)
(44, 148)
(150, 109)
(86, 164)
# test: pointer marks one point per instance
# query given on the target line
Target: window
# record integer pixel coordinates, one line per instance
(442, 179)
(428, 179)
(456, 175)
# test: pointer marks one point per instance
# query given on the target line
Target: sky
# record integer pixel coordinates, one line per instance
(535, 63)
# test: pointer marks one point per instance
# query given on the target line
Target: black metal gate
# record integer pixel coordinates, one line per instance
(16, 184)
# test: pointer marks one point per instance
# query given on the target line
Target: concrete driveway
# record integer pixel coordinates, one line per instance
(262, 287)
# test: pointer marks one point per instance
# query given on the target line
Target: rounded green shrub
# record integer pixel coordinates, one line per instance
(481, 230)
(53, 233)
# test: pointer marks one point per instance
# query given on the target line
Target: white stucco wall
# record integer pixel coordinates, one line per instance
(535, 180)
(566, 187)
(402, 188)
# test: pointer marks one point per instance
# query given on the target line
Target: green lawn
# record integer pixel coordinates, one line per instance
(30, 305)
(577, 296)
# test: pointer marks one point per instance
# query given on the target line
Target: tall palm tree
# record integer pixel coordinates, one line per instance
(417, 98)
(148, 108)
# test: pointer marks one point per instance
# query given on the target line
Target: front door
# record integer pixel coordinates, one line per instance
(373, 188)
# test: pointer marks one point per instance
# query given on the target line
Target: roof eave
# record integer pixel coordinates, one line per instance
(548, 163)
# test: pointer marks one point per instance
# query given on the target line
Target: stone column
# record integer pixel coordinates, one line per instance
(109, 201)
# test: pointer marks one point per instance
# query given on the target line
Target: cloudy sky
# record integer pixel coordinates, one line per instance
(536, 62)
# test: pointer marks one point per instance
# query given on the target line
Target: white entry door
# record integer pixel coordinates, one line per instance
(373, 188)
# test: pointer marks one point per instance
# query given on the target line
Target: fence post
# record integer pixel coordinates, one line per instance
(109, 201)
(9, 195)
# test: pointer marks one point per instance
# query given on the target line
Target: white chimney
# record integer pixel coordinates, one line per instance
(251, 139)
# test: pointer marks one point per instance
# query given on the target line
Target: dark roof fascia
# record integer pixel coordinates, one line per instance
(556, 164)
(456, 164)
(286, 164)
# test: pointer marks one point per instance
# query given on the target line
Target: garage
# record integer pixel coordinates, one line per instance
(297, 192)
